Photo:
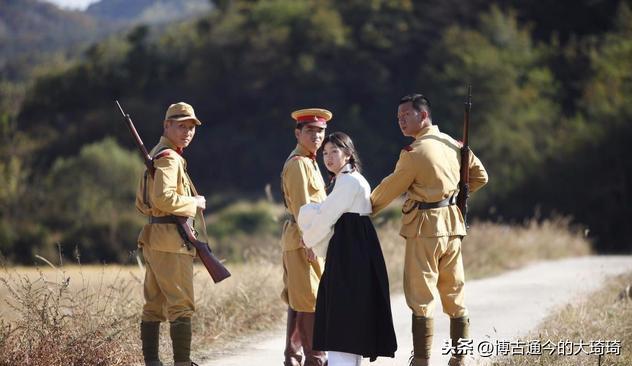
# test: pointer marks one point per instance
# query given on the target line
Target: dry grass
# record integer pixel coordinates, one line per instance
(491, 248)
(55, 317)
(605, 315)
(89, 315)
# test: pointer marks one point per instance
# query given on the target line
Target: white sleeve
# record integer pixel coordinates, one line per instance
(318, 224)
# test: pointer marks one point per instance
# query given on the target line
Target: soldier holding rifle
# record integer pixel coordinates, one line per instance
(168, 286)
(432, 224)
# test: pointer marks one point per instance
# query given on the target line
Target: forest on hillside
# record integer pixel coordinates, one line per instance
(551, 115)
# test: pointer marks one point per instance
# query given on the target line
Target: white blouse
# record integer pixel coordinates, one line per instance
(351, 193)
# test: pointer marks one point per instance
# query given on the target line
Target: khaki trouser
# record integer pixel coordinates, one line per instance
(300, 280)
(434, 269)
(168, 287)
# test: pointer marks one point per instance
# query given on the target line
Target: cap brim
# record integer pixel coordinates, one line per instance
(315, 123)
(197, 121)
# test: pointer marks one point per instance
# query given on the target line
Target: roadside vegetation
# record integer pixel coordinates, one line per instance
(70, 314)
(602, 321)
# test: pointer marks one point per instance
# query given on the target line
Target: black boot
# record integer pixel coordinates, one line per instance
(180, 331)
(149, 336)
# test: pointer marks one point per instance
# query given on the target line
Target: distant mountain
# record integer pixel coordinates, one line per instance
(147, 11)
(31, 31)
(32, 25)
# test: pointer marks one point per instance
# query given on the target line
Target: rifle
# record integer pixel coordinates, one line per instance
(214, 267)
(464, 185)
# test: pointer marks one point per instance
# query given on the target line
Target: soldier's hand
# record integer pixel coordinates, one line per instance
(200, 201)
(311, 256)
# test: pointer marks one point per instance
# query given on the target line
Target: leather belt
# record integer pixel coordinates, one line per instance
(430, 205)
(169, 219)
(443, 203)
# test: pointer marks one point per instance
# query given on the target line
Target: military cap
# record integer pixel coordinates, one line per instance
(181, 112)
(312, 116)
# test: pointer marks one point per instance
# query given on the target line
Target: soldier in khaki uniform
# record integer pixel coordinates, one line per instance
(433, 226)
(301, 183)
(168, 286)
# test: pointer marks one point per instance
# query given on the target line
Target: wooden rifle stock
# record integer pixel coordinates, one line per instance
(464, 185)
(214, 267)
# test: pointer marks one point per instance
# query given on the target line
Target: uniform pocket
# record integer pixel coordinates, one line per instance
(316, 182)
(411, 224)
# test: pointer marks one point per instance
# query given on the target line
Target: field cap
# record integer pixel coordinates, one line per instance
(181, 112)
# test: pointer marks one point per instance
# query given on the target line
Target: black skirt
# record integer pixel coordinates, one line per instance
(353, 307)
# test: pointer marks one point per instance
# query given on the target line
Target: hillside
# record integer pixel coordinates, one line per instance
(147, 11)
(550, 118)
(28, 25)
(32, 31)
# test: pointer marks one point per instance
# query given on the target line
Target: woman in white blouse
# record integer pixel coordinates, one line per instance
(353, 311)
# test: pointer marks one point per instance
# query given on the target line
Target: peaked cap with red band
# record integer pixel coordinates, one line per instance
(312, 116)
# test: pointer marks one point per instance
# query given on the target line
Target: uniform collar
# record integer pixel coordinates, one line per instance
(166, 142)
(432, 129)
(302, 151)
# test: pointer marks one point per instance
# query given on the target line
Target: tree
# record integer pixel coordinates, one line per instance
(93, 204)
(514, 113)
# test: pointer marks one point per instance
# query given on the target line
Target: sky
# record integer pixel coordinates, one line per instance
(72, 4)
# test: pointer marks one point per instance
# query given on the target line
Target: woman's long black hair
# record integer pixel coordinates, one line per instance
(344, 142)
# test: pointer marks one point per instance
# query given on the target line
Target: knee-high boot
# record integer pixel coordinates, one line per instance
(306, 329)
(292, 351)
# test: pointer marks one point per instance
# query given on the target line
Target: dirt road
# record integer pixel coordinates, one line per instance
(501, 308)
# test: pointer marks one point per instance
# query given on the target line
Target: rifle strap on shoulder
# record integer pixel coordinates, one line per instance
(145, 175)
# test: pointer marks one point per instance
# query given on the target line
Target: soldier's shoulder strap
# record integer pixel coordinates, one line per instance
(162, 152)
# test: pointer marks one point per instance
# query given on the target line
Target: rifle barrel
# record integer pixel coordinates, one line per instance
(139, 141)
(464, 187)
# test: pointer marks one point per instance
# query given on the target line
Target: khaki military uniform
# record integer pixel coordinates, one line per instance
(301, 183)
(428, 171)
(168, 286)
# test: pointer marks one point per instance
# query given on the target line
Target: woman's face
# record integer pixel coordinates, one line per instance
(334, 157)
